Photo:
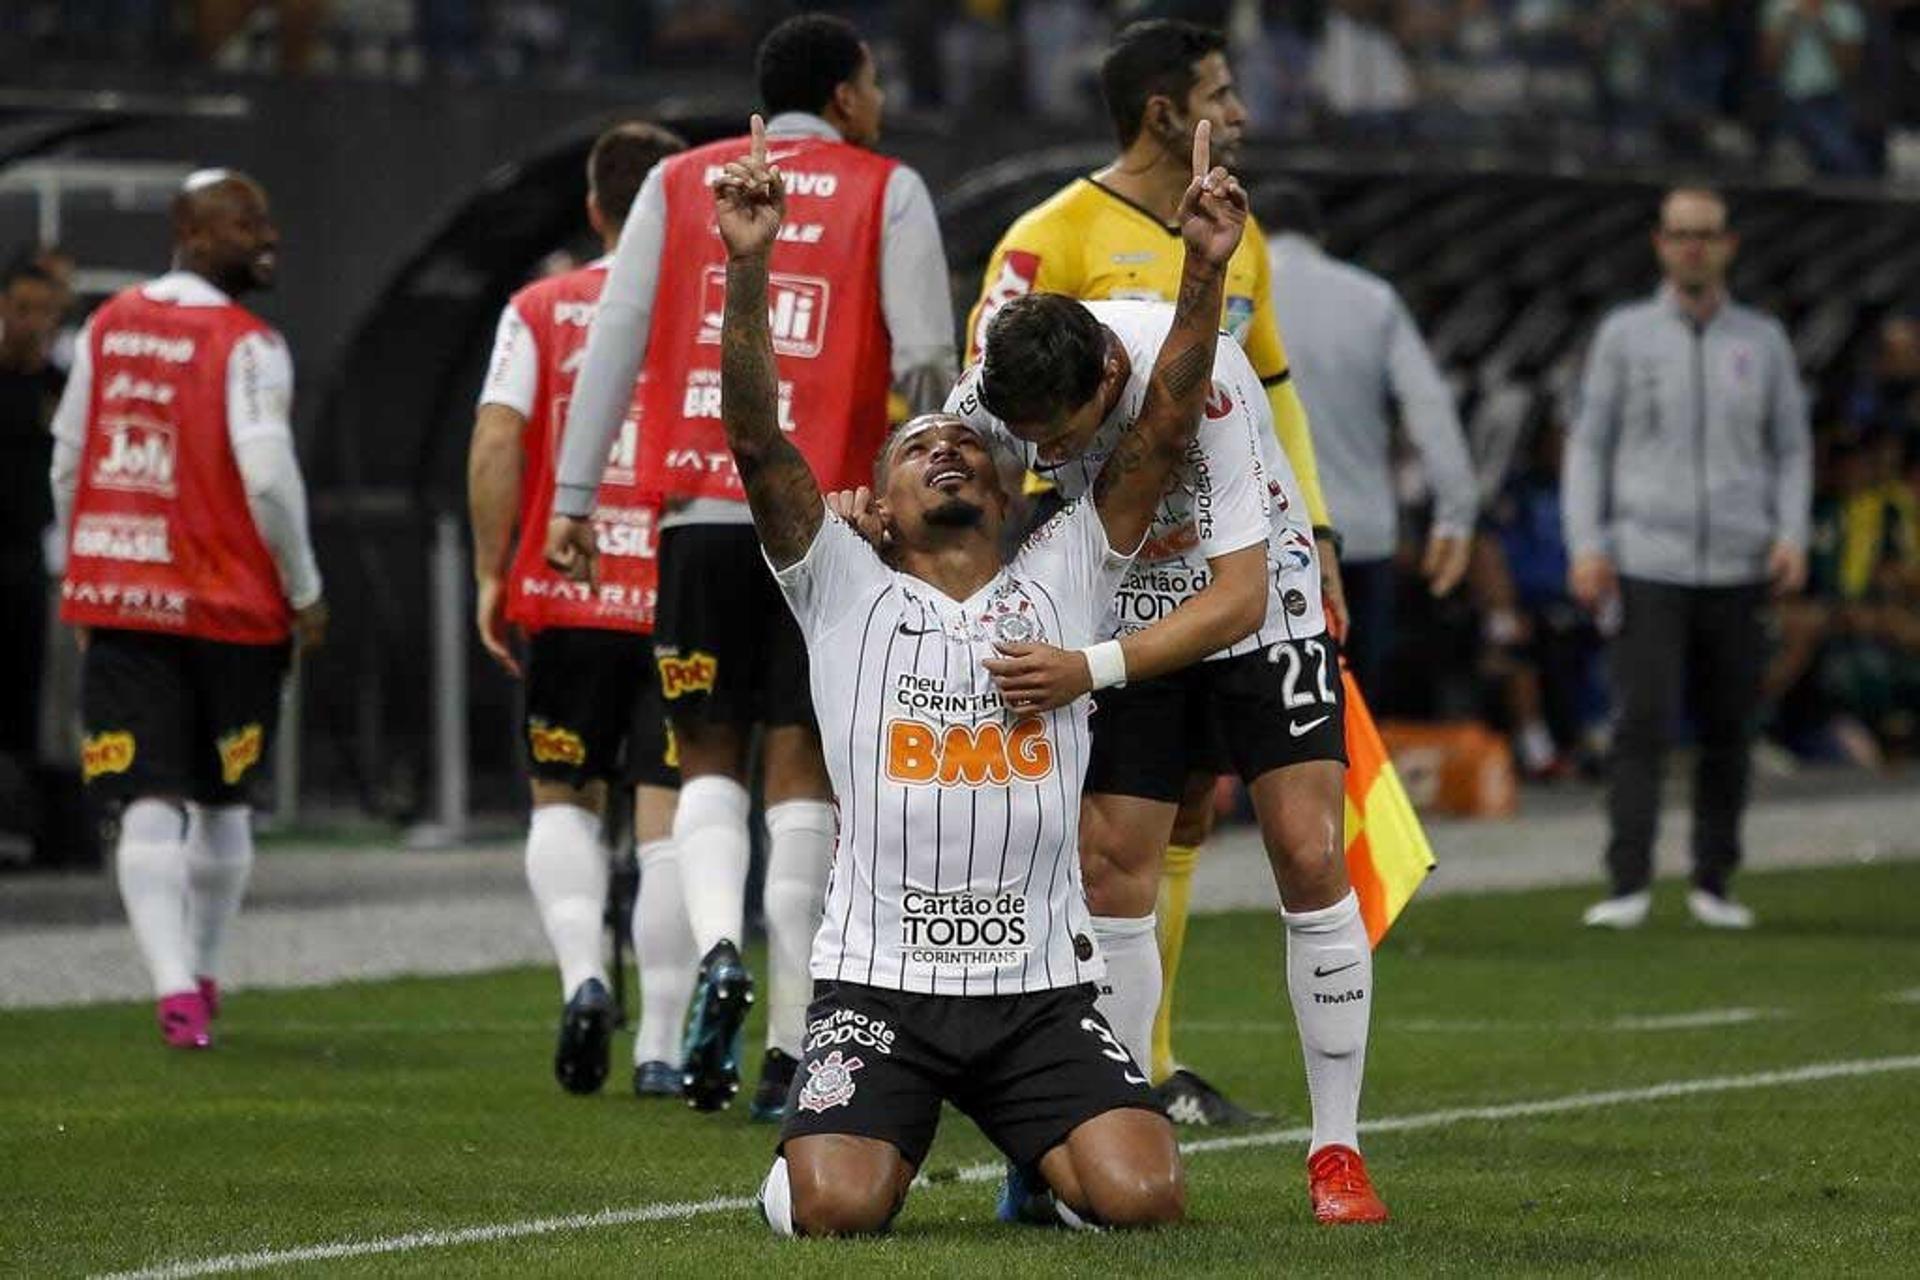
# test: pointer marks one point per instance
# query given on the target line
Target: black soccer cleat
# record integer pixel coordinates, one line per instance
(710, 1059)
(776, 1080)
(586, 1036)
(1190, 1100)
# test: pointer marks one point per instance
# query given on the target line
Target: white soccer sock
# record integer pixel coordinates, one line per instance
(150, 862)
(776, 1199)
(219, 864)
(710, 832)
(567, 871)
(663, 945)
(1330, 978)
(1130, 993)
(800, 837)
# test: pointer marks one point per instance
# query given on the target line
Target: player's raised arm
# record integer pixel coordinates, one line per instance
(1213, 214)
(781, 491)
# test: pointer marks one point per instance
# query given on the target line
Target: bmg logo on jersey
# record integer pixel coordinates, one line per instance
(140, 456)
(919, 754)
(796, 310)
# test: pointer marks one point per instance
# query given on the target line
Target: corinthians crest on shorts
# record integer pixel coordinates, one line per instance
(829, 1082)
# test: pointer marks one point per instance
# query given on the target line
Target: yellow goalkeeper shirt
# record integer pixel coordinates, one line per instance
(1089, 242)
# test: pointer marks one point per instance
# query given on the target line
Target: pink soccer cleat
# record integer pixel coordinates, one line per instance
(210, 994)
(183, 1021)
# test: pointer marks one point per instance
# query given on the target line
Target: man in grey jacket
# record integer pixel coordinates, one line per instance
(1356, 357)
(1687, 497)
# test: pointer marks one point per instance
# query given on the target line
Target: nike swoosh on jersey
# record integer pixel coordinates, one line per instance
(1298, 730)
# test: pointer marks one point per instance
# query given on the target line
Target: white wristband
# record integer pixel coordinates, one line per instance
(1106, 664)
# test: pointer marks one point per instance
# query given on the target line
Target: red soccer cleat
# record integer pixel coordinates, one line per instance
(1341, 1190)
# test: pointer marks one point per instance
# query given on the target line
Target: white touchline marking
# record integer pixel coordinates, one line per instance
(1477, 1026)
(1701, 1018)
(263, 1259)
(266, 1027)
(1910, 996)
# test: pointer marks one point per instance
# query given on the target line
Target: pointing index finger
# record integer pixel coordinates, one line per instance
(1202, 151)
(758, 128)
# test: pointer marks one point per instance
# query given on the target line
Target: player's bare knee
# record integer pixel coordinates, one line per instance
(1141, 1195)
(842, 1204)
(592, 796)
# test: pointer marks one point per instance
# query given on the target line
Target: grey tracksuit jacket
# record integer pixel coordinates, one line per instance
(1690, 457)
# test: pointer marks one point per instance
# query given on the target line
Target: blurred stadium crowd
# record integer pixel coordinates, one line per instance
(1825, 82)
(1830, 84)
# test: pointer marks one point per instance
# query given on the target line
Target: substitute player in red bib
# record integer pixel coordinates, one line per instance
(190, 571)
(857, 301)
(592, 704)
(958, 809)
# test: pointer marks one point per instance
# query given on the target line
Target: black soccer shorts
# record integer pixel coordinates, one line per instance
(592, 710)
(167, 715)
(1277, 706)
(727, 647)
(1028, 1069)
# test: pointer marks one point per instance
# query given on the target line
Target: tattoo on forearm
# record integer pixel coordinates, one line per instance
(1186, 371)
(781, 490)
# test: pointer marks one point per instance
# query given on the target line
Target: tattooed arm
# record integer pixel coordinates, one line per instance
(781, 489)
(1213, 214)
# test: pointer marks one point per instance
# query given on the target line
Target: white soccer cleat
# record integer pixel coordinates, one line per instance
(1628, 911)
(1716, 912)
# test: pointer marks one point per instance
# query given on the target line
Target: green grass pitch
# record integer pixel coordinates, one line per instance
(360, 1113)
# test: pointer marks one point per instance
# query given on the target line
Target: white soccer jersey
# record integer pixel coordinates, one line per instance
(957, 870)
(1234, 488)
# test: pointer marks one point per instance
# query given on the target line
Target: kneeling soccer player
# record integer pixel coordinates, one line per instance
(956, 958)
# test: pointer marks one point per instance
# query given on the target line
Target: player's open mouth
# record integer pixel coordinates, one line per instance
(942, 475)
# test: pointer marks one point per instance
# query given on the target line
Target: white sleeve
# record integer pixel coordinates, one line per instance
(513, 371)
(839, 569)
(260, 425)
(1230, 505)
(1070, 556)
(914, 293)
(616, 343)
(69, 428)
(963, 402)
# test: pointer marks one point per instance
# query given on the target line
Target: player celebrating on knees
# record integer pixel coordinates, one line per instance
(1219, 630)
(188, 570)
(955, 954)
(592, 698)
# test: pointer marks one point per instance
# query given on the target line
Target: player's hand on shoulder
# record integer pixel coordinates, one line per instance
(855, 507)
(749, 199)
(1213, 211)
(1036, 678)
(310, 626)
(570, 549)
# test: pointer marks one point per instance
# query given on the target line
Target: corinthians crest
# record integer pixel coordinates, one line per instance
(1010, 618)
(829, 1082)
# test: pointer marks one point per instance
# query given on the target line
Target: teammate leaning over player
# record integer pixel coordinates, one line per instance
(859, 301)
(592, 707)
(1108, 235)
(954, 958)
(188, 573)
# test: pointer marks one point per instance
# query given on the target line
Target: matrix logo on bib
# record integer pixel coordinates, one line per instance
(829, 1082)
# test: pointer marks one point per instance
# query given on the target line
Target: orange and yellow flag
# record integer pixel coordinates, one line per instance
(1387, 850)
